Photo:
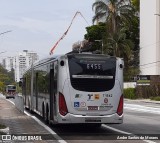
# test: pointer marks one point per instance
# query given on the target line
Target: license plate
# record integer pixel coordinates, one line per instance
(92, 107)
(93, 120)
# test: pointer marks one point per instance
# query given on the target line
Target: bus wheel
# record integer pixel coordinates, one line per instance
(47, 115)
(29, 106)
(43, 113)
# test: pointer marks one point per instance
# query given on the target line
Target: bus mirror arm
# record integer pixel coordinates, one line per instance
(20, 83)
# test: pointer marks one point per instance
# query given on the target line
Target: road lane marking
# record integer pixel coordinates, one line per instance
(59, 139)
(141, 108)
(123, 132)
(10, 101)
(103, 125)
(116, 130)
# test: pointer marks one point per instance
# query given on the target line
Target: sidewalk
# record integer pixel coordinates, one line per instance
(19, 123)
(143, 100)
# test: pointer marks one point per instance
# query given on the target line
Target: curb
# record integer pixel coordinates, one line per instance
(154, 102)
(145, 101)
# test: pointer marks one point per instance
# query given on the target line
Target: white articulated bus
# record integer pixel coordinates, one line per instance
(76, 88)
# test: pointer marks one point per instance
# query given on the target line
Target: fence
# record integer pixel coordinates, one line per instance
(150, 90)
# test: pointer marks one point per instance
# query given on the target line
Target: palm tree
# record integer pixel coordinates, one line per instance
(121, 46)
(115, 12)
(136, 4)
(118, 16)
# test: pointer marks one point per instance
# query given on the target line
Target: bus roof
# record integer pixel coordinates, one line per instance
(55, 57)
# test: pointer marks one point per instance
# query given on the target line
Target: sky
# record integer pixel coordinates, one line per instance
(36, 25)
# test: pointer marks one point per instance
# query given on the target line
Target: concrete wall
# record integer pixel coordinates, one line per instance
(129, 85)
(149, 37)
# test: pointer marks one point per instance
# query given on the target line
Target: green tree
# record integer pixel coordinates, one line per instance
(3, 75)
(116, 13)
(118, 16)
(136, 4)
(122, 30)
(133, 35)
(2, 87)
(121, 46)
(6, 77)
(96, 32)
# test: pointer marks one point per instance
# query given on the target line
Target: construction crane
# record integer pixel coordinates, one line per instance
(65, 33)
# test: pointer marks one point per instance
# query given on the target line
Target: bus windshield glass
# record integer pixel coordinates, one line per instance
(11, 87)
(92, 70)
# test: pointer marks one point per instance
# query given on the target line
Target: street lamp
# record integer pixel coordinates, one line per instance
(2, 34)
(5, 32)
(3, 52)
(102, 43)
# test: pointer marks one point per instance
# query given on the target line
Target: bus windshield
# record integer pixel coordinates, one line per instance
(96, 71)
(11, 88)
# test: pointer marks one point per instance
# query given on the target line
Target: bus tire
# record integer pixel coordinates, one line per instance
(43, 111)
(47, 115)
(29, 106)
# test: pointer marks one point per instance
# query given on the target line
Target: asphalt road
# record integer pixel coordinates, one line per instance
(140, 119)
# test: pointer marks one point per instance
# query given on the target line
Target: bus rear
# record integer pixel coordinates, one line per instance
(92, 89)
(10, 91)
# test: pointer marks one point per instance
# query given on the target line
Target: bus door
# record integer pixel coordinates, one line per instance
(53, 89)
(24, 90)
(36, 91)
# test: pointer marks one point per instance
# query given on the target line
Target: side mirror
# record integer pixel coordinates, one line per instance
(20, 83)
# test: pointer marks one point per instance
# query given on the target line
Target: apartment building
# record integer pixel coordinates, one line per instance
(20, 62)
(8, 63)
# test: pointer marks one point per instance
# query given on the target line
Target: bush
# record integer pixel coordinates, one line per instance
(130, 93)
(2, 126)
(157, 98)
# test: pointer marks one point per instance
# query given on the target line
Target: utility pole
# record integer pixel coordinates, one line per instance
(3, 52)
(3, 34)
(102, 44)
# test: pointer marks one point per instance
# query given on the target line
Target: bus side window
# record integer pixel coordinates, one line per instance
(55, 77)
